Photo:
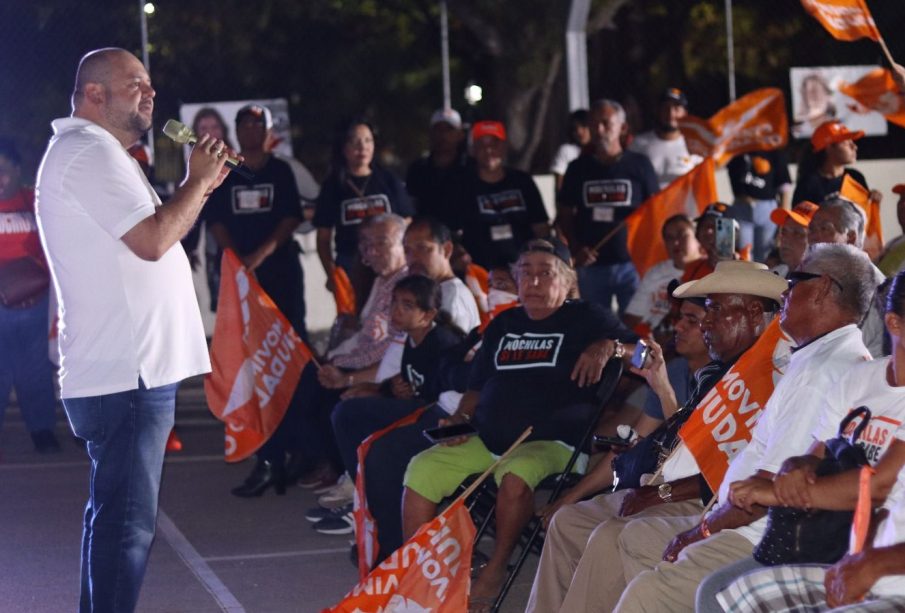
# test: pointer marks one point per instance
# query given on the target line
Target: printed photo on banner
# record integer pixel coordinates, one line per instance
(279, 109)
(816, 98)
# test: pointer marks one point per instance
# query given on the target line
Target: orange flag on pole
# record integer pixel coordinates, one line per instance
(877, 90)
(256, 358)
(845, 19)
(430, 572)
(873, 229)
(343, 292)
(755, 122)
(365, 526)
(689, 194)
(721, 424)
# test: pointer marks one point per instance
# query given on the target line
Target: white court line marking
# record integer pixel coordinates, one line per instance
(279, 554)
(186, 459)
(197, 565)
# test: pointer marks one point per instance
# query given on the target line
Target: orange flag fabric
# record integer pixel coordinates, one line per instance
(365, 526)
(256, 358)
(430, 572)
(721, 424)
(755, 122)
(845, 19)
(873, 229)
(343, 292)
(877, 90)
(688, 194)
(477, 279)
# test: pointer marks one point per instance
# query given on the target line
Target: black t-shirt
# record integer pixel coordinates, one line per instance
(345, 201)
(497, 217)
(251, 209)
(421, 364)
(523, 372)
(603, 195)
(747, 181)
(815, 187)
(434, 189)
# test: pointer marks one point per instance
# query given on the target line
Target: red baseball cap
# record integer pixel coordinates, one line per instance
(801, 213)
(488, 128)
(899, 189)
(830, 132)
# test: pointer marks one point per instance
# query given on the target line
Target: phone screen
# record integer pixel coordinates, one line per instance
(639, 357)
(725, 238)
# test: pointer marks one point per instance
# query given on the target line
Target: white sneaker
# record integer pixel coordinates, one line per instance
(340, 495)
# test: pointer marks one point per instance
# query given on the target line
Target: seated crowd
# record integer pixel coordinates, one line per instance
(472, 308)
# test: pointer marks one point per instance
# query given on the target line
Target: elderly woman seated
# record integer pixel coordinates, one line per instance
(538, 367)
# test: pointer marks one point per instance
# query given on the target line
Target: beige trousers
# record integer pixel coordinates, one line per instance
(667, 586)
(580, 568)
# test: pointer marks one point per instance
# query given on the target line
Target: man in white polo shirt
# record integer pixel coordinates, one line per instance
(130, 329)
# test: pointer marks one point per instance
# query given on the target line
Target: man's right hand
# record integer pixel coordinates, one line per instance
(791, 482)
(207, 162)
(585, 257)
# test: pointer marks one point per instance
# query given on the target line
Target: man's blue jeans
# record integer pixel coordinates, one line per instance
(600, 282)
(126, 436)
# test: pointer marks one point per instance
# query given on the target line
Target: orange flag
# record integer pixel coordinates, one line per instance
(365, 526)
(877, 90)
(343, 292)
(688, 194)
(256, 358)
(755, 122)
(430, 572)
(721, 424)
(845, 19)
(873, 229)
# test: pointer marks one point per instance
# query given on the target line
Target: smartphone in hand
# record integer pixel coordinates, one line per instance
(446, 433)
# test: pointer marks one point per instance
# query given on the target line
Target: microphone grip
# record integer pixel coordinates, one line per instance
(239, 169)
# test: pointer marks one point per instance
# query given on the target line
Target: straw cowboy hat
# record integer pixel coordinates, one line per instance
(736, 277)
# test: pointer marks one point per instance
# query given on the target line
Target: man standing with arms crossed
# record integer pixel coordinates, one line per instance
(130, 329)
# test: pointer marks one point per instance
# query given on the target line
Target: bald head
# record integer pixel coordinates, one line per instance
(95, 67)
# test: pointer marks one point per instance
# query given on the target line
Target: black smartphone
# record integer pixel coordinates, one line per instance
(445, 433)
(639, 357)
(609, 441)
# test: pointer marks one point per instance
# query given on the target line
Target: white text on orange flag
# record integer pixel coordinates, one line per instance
(755, 122)
(430, 572)
(721, 424)
(845, 19)
(689, 195)
(257, 359)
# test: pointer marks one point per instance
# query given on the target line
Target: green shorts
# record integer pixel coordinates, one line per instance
(436, 472)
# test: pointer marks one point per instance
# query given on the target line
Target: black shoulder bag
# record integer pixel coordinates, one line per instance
(796, 536)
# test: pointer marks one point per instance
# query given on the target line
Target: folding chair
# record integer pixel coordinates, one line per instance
(482, 502)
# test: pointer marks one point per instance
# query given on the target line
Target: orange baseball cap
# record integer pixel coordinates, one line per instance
(830, 132)
(801, 213)
(488, 128)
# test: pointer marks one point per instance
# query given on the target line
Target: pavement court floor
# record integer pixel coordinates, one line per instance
(213, 552)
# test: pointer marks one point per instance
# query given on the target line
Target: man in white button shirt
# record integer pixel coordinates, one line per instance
(130, 329)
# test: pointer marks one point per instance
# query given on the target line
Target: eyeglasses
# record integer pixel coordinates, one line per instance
(799, 276)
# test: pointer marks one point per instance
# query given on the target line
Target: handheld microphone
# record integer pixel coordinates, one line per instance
(183, 135)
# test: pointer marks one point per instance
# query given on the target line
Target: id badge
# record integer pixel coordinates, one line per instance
(602, 213)
(501, 232)
(250, 199)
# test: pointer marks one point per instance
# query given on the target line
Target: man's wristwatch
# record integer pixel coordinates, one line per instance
(664, 491)
(618, 348)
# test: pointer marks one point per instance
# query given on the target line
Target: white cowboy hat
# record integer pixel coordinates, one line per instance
(736, 277)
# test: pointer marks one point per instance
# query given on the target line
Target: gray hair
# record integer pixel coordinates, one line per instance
(851, 216)
(601, 103)
(394, 221)
(848, 265)
(563, 270)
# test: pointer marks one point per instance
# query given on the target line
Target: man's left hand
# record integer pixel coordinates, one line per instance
(639, 499)
(589, 366)
(680, 542)
(331, 377)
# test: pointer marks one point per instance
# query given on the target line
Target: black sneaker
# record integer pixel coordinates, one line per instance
(45, 441)
(340, 521)
(318, 513)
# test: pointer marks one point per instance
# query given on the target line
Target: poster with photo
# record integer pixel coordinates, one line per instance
(279, 109)
(816, 98)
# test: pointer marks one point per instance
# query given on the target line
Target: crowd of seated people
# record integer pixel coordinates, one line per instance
(432, 268)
